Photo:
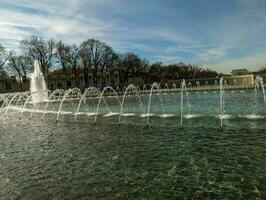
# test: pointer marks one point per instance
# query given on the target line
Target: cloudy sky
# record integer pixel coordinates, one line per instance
(220, 34)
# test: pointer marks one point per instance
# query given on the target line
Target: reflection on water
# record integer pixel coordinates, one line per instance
(45, 160)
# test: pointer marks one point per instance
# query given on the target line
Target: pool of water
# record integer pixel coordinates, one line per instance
(240, 109)
(41, 159)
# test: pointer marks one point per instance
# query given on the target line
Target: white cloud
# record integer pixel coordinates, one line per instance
(211, 54)
(168, 59)
(213, 43)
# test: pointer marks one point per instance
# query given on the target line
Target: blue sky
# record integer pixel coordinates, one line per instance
(220, 34)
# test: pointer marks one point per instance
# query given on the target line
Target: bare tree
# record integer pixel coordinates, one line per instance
(91, 55)
(25, 65)
(13, 65)
(3, 56)
(72, 58)
(108, 59)
(18, 66)
(86, 58)
(38, 49)
(63, 53)
(96, 56)
(131, 64)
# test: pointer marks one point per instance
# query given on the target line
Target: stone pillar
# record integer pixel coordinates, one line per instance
(25, 83)
(14, 85)
(99, 80)
(64, 84)
(90, 79)
(72, 80)
(116, 78)
(81, 82)
(108, 80)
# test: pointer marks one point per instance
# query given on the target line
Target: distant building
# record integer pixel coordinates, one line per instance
(60, 80)
(240, 80)
(239, 72)
(12, 83)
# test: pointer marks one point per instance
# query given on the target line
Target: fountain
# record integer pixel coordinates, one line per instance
(134, 89)
(260, 79)
(245, 83)
(39, 92)
(206, 87)
(216, 87)
(198, 86)
(235, 84)
(102, 97)
(257, 85)
(183, 86)
(174, 86)
(222, 110)
(93, 103)
(155, 86)
(210, 161)
(189, 85)
(166, 89)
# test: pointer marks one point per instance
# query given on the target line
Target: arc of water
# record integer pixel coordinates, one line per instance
(61, 92)
(67, 93)
(87, 91)
(3, 97)
(174, 86)
(26, 103)
(32, 110)
(166, 87)
(263, 90)
(36, 103)
(101, 96)
(256, 88)
(12, 99)
(206, 86)
(123, 100)
(24, 106)
(183, 85)
(6, 100)
(221, 101)
(154, 86)
(20, 98)
(187, 98)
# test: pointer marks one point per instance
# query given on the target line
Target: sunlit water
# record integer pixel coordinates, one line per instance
(41, 159)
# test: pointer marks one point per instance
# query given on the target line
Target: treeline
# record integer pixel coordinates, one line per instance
(164, 73)
(92, 56)
(262, 70)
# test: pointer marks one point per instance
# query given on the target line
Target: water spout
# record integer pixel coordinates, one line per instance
(38, 86)
(222, 110)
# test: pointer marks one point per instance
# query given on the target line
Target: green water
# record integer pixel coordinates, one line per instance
(66, 160)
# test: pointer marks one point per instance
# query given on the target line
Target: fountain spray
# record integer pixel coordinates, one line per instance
(221, 101)
(183, 85)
